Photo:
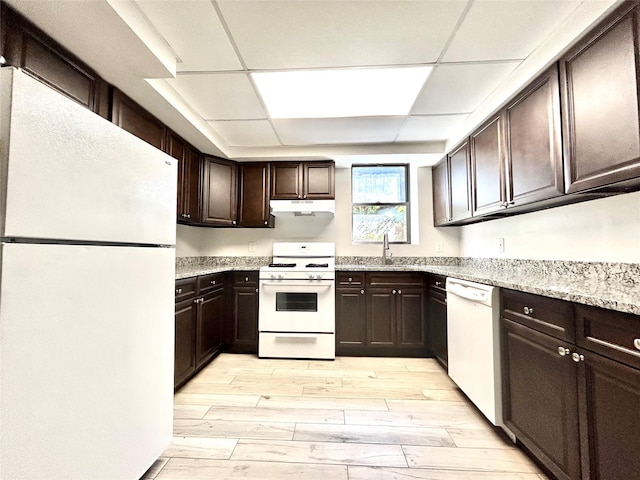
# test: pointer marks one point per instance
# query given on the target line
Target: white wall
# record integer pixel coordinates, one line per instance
(194, 241)
(603, 230)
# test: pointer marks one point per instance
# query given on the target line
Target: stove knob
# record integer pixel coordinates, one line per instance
(319, 276)
(280, 276)
(311, 276)
(273, 276)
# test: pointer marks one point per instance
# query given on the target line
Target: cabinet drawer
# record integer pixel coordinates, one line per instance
(547, 315)
(437, 283)
(207, 283)
(612, 334)
(245, 279)
(386, 279)
(350, 278)
(185, 288)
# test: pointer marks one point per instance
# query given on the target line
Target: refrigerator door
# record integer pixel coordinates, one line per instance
(87, 360)
(72, 175)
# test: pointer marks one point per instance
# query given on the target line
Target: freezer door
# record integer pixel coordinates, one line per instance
(86, 350)
(73, 175)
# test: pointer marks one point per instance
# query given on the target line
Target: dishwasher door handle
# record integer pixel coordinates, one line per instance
(470, 293)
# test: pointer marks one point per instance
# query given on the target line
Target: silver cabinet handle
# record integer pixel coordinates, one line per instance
(178, 291)
(213, 282)
(361, 292)
(233, 222)
(246, 279)
(393, 291)
(399, 292)
(198, 300)
(576, 357)
(528, 311)
(636, 343)
(350, 279)
(563, 351)
(256, 290)
(266, 223)
(438, 284)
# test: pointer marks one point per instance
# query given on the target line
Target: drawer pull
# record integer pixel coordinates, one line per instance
(438, 284)
(399, 292)
(636, 343)
(577, 357)
(213, 282)
(350, 279)
(179, 291)
(361, 292)
(563, 351)
(393, 291)
(246, 279)
(528, 311)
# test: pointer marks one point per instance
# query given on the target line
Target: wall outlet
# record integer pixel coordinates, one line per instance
(252, 246)
(500, 244)
(439, 247)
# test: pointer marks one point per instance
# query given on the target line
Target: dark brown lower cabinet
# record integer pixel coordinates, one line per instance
(209, 330)
(574, 409)
(542, 403)
(185, 341)
(437, 318)
(351, 325)
(242, 325)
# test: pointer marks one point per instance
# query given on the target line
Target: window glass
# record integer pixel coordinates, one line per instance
(379, 203)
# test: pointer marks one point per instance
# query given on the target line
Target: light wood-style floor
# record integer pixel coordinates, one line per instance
(348, 419)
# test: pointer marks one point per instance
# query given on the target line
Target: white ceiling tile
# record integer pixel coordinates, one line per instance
(223, 96)
(428, 128)
(194, 32)
(318, 33)
(246, 133)
(499, 29)
(460, 88)
(324, 131)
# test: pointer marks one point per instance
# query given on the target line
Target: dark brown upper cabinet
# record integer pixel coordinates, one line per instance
(599, 81)
(219, 191)
(451, 187)
(440, 190)
(188, 177)
(487, 170)
(131, 117)
(303, 180)
(253, 196)
(27, 47)
(533, 152)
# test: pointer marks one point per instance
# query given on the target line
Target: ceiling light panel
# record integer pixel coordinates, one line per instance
(319, 33)
(460, 88)
(194, 32)
(340, 93)
(326, 131)
(246, 133)
(222, 96)
(495, 30)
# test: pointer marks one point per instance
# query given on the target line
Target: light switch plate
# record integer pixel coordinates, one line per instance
(500, 244)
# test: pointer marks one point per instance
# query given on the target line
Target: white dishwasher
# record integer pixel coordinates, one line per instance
(473, 342)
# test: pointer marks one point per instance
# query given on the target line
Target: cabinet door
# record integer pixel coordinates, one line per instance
(440, 189)
(318, 181)
(610, 415)
(351, 325)
(131, 117)
(459, 183)
(176, 148)
(191, 185)
(253, 210)
(381, 312)
(410, 307)
(532, 142)
(487, 168)
(438, 326)
(185, 341)
(219, 191)
(540, 400)
(601, 137)
(286, 181)
(244, 334)
(209, 329)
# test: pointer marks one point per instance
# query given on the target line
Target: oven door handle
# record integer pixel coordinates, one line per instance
(303, 283)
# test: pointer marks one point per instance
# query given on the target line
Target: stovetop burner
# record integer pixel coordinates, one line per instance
(316, 265)
(282, 265)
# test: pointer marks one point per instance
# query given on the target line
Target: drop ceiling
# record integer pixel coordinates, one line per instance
(189, 63)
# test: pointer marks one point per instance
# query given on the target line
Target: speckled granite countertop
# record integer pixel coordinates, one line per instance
(615, 286)
(600, 292)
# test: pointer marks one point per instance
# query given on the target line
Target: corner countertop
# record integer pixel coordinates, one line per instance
(604, 289)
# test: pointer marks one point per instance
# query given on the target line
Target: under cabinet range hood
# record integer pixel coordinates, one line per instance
(303, 208)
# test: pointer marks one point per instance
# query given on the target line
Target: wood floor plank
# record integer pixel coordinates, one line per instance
(328, 372)
(305, 402)
(476, 459)
(364, 392)
(435, 416)
(252, 389)
(227, 429)
(435, 437)
(201, 447)
(474, 438)
(308, 380)
(287, 415)
(214, 399)
(386, 473)
(201, 469)
(190, 411)
(320, 452)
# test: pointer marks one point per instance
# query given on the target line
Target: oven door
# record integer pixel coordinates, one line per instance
(297, 306)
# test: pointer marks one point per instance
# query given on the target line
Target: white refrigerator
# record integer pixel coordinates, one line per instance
(87, 218)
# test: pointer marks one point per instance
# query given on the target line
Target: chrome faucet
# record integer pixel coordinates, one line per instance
(385, 247)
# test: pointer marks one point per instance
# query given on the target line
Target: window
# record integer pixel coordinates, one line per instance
(380, 203)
